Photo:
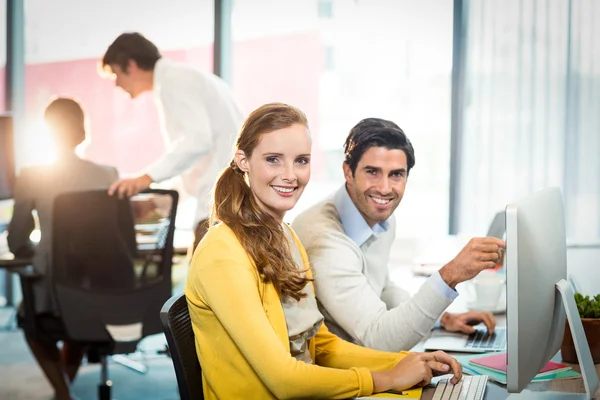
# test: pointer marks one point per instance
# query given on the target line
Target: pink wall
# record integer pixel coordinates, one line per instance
(125, 133)
(286, 69)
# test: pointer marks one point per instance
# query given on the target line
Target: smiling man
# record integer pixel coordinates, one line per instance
(198, 114)
(348, 239)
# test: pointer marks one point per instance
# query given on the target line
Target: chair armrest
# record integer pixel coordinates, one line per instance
(27, 273)
(27, 277)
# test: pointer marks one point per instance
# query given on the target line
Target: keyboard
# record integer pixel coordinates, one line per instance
(482, 340)
(468, 388)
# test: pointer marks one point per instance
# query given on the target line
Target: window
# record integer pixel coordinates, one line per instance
(531, 120)
(329, 58)
(2, 55)
(64, 41)
(326, 9)
(393, 60)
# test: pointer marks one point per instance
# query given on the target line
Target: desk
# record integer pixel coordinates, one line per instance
(10, 264)
(494, 390)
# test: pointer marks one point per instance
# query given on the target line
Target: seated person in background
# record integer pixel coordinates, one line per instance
(348, 239)
(258, 331)
(36, 188)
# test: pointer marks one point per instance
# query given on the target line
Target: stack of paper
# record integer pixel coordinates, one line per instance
(497, 372)
(498, 362)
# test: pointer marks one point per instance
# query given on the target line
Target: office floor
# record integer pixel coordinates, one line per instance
(21, 379)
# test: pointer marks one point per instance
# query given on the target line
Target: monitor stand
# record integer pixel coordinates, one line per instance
(588, 371)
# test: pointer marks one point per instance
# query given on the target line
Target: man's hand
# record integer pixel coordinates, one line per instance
(130, 187)
(464, 322)
(477, 255)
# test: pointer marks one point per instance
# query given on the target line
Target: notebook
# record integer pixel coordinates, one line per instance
(497, 362)
(500, 377)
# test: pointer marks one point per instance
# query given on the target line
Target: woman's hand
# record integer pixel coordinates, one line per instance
(416, 369)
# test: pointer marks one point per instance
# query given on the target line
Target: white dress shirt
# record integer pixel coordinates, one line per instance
(200, 121)
(359, 231)
(354, 291)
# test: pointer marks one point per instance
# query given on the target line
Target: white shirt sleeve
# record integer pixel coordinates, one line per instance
(394, 295)
(344, 291)
(186, 119)
(442, 287)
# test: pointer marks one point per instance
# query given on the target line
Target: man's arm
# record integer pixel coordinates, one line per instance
(394, 295)
(183, 110)
(114, 173)
(22, 223)
(477, 255)
(344, 291)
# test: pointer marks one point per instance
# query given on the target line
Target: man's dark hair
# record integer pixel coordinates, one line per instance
(376, 132)
(131, 46)
(66, 119)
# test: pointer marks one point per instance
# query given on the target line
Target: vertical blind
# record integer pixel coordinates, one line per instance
(531, 110)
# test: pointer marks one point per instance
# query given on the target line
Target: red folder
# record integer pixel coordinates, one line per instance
(497, 362)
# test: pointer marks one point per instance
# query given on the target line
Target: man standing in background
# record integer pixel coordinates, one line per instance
(199, 120)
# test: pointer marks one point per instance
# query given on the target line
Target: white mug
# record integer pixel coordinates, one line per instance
(485, 290)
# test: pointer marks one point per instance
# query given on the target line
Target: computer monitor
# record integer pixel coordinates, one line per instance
(7, 158)
(539, 299)
(498, 226)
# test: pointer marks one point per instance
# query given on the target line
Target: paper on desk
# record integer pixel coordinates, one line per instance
(500, 377)
(410, 394)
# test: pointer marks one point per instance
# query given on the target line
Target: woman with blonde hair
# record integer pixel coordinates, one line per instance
(257, 327)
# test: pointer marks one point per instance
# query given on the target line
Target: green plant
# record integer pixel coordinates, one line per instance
(588, 307)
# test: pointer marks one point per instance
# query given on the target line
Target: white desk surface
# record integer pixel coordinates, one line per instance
(403, 277)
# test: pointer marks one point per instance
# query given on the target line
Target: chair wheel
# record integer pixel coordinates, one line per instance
(103, 392)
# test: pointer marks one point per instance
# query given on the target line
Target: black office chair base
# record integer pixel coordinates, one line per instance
(104, 391)
(105, 384)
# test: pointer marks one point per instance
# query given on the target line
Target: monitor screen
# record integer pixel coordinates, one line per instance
(539, 298)
(7, 158)
(536, 259)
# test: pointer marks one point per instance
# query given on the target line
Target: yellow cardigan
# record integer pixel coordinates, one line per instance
(242, 339)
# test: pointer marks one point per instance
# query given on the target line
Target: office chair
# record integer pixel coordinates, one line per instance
(177, 325)
(108, 288)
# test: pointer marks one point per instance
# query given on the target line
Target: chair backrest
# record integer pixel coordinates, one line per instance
(94, 244)
(177, 325)
(99, 266)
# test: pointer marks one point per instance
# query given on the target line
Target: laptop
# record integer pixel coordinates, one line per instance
(478, 342)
